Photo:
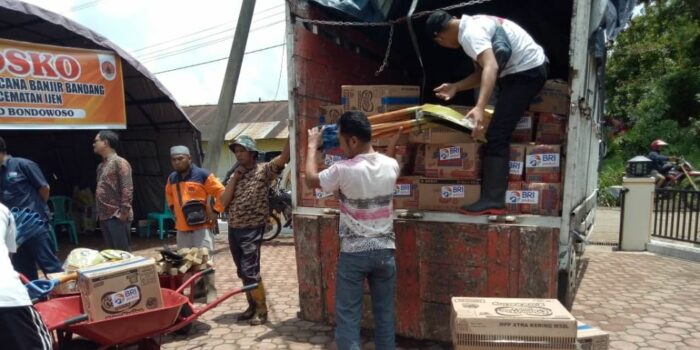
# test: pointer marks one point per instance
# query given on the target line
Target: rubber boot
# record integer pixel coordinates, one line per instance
(260, 316)
(493, 188)
(250, 311)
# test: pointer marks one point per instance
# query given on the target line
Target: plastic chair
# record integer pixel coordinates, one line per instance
(161, 218)
(61, 207)
(54, 239)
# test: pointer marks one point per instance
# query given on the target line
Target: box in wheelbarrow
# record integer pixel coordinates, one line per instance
(510, 323)
(118, 288)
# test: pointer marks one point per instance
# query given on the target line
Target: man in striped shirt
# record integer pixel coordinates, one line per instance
(365, 184)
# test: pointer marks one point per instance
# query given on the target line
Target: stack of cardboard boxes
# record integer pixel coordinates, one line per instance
(536, 158)
(524, 324)
(441, 166)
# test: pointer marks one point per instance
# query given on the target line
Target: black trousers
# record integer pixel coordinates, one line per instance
(515, 92)
(22, 328)
(244, 244)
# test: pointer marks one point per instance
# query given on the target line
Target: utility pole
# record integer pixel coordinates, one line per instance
(228, 87)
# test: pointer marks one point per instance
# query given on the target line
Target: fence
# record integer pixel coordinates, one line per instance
(676, 215)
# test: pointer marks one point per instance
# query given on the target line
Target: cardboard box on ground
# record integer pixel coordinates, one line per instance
(489, 323)
(374, 99)
(591, 338)
(117, 288)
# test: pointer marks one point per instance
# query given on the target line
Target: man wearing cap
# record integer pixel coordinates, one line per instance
(247, 194)
(187, 192)
(505, 56)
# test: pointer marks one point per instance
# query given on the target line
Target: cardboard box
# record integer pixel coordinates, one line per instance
(117, 288)
(68, 287)
(332, 113)
(439, 135)
(406, 194)
(492, 323)
(553, 98)
(517, 162)
(374, 99)
(541, 199)
(384, 140)
(524, 129)
(315, 197)
(453, 161)
(515, 197)
(419, 161)
(543, 163)
(447, 195)
(592, 338)
(404, 155)
(551, 128)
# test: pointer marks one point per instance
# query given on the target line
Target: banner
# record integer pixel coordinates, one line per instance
(52, 87)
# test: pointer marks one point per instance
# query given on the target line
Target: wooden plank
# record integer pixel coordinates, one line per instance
(306, 244)
(452, 244)
(328, 259)
(440, 282)
(408, 310)
(497, 256)
(535, 264)
(435, 321)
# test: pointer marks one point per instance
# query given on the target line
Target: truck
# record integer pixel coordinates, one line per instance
(444, 254)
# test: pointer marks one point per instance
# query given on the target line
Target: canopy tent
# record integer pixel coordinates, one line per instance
(155, 122)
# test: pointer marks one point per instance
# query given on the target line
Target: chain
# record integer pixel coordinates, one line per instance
(385, 63)
(390, 24)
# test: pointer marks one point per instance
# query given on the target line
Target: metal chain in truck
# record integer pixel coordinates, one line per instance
(390, 24)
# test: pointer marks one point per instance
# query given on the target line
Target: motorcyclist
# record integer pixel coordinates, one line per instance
(660, 163)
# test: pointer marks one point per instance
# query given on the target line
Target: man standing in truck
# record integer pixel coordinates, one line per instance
(365, 185)
(505, 56)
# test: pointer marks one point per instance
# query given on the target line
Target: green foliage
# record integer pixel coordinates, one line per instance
(653, 83)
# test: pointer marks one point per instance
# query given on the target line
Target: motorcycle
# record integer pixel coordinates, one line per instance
(683, 176)
(280, 202)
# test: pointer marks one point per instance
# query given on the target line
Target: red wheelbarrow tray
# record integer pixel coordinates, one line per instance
(131, 327)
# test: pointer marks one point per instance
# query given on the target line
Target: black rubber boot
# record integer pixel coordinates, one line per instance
(250, 311)
(493, 188)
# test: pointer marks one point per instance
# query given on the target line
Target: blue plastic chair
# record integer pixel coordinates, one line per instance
(61, 207)
(161, 218)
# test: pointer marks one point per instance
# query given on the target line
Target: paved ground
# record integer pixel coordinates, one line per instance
(645, 301)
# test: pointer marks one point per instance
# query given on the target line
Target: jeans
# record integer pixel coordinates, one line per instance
(379, 268)
(35, 251)
(515, 92)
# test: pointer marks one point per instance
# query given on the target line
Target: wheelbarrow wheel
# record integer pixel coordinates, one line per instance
(186, 311)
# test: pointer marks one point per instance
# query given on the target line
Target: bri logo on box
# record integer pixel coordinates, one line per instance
(452, 191)
(516, 168)
(544, 160)
(402, 190)
(522, 197)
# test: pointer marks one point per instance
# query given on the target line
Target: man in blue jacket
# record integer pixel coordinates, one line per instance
(23, 186)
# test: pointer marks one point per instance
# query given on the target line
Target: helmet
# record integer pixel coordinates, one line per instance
(657, 144)
(244, 141)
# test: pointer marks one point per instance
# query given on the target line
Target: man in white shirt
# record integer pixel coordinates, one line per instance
(519, 77)
(21, 326)
(364, 184)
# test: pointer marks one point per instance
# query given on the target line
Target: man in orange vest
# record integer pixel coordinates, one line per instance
(188, 191)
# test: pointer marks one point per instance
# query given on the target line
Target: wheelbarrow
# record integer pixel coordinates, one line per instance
(176, 313)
